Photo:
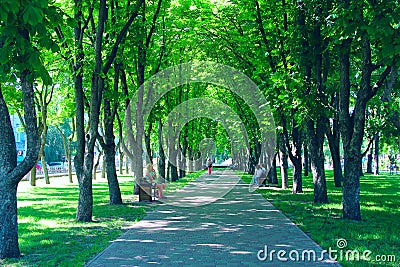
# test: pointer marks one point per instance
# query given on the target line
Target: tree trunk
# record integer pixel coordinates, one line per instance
(11, 173)
(121, 142)
(376, 156)
(179, 162)
(121, 162)
(316, 133)
(112, 179)
(127, 165)
(182, 168)
(68, 153)
(96, 165)
(190, 157)
(296, 159)
(86, 158)
(369, 159)
(44, 166)
(80, 115)
(147, 140)
(85, 200)
(42, 154)
(69, 162)
(174, 172)
(135, 141)
(197, 164)
(103, 168)
(352, 124)
(8, 220)
(251, 164)
(33, 176)
(172, 151)
(352, 157)
(386, 96)
(294, 153)
(284, 171)
(184, 151)
(297, 177)
(172, 164)
(284, 163)
(306, 157)
(67, 149)
(319, 180)
(351, 188)
(274, 176)
(334, 147)
(168, 176)
(161, 154)
(108, 143)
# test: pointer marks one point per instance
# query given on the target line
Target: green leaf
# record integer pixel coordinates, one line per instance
(32, 15)
(46, 77)
(54, 47)
(4, 56)
(12, 6)
(71, 22)
(33, 60)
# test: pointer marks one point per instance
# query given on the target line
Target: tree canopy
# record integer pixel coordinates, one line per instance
(327, 70)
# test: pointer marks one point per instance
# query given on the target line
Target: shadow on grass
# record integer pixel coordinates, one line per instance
(378, 230)
(49, 234)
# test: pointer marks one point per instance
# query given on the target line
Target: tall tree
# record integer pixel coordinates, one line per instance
(134, 111)
(84, 158)
(333, 136)
(352, 123)
(19, 40)
(315, 64)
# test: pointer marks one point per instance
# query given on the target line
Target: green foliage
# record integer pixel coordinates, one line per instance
(23, 24)
(228, 32)
(54, 148)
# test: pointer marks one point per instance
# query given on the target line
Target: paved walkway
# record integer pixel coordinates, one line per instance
(228, 232)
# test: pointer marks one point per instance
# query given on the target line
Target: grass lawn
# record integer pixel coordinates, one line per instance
(379, 230)
(48, 234)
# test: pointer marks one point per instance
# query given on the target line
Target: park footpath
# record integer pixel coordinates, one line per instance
(238, 229)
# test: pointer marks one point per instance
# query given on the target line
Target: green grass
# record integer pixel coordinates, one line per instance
(379, 230)
(49, 235)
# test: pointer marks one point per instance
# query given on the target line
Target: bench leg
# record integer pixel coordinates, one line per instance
(155, 189)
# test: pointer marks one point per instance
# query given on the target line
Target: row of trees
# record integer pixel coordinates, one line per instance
(325, 67)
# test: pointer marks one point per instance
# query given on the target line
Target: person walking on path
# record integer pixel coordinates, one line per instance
(209, 166)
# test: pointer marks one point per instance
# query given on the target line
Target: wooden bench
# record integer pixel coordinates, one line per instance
(262, 180)
(147, 192)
